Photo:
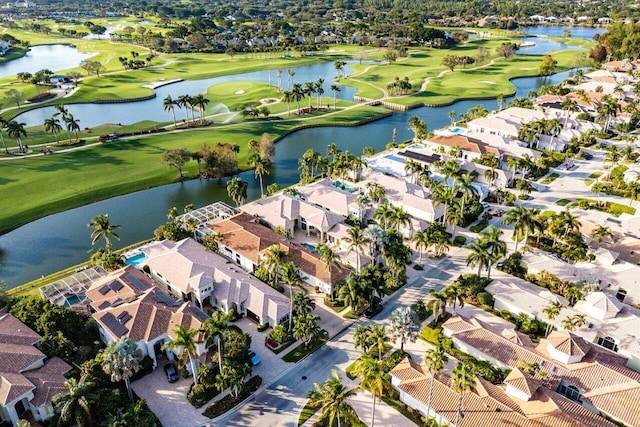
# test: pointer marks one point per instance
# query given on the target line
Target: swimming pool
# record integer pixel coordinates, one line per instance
(72, 299)
(136, 260)
(310, 247)
(416, 146)
(344, 186)
(458, 130)
(395, 158)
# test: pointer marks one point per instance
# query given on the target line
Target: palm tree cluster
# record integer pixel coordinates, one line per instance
(399, 86)
(332, 397)
(196, 102)
(361, 288)
(371, 339)
(298, 92)
(530, 132)
(487, 250)
(608, 110)
(15, 130)
(433, 238)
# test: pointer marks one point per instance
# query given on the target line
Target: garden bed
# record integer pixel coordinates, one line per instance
(229, 402)
(301, 351)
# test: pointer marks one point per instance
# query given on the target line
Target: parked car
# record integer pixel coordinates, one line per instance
(255, 359)
(372, 310)
(172, 372)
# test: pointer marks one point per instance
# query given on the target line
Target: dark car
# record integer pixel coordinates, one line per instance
(172, 372)
(372, 310)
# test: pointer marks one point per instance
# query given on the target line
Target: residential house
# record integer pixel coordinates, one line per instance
(561, 363)
(244, 241)
(337, 197)
(192, 273)
(470, 148)
(519, 401)
(28, 380)
(128, 304)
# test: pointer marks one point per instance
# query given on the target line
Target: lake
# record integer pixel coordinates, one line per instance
(53, 57)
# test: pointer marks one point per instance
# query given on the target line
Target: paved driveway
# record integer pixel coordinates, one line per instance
(169, 401)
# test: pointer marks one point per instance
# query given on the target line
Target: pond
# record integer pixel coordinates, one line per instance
(586, 33)
(53, 57)
(58, 241)
(92, 115)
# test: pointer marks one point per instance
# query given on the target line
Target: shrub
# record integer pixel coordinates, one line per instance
(263, 327)
(201, 394)
(395, 358)
(485, 298)
(228, 402)
(420, 310)
(459, 240)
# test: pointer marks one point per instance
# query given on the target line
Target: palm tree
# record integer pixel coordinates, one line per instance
(357, 239)
(455, 216)
(479, 256)
(121, 359)
(464, 184)
(490, 241)
(404, 324)
(452, 115)
(633, 191)
(52, 124)
(287, 97)
(373, 378)
(309, 90)
(17, 131)
(297, 94)
(335, 89)
(72, 125)
(168, 104)
(237, 190)
(463, 380)
(61, 110)
(260, 169)
(201, 102)
(319, 91)
(215, 329)
(184, 101)
(328, 257)
(525, 222)
(272, 261)
(290, 276)
(102, 228)
(302, 303)
(434, 361)
(418, 126)
(421, 239)
(291, 73)
(398, 217)
(570, 106)
(332, 397)
(444, 195)
(353, 291)
(75, 403)
(601, 232)
(186, 343)
(551, 311)
(378, 339)
(437, 304)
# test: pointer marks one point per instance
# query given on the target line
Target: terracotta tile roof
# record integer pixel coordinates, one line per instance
(568, 343)
(599, 374)
(243, 235)
(118, 286)
(490, 406)
(522, 382)
(465, 143)
(21, 365)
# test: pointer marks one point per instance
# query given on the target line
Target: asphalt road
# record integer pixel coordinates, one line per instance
(279, 404)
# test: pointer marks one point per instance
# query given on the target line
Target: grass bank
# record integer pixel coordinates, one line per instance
(43, 185)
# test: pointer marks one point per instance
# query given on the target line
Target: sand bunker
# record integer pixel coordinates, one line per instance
(239, 92)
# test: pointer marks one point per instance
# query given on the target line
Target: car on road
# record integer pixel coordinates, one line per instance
(172, 372)
(255, 359)
(485, 205)
(372, 310)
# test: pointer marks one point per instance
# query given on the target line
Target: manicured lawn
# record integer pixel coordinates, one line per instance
(563, 202)
(595, 175)
(546, 214)
(549, 179)
(307, 412)
(431, 335)
(66, 180)
(299, 352)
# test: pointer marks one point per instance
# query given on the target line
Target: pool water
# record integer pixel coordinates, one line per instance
(416, 146)
(395, 158)
(310, 247)
(71, 299)
(136, 260)
(458, 130)
(344, 186)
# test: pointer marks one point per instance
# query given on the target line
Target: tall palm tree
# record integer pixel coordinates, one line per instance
(378, 339)
(260, 169)
(297, 93)
(332, 396)
(185, 342)
(463, 380)
(437, 304)
(168, 104)
(215, 329)
(237, 190)
(525, 222)
(601, 232)
(353, 292)
(121, 359)
(72, 125)
(328, 257)
(452, 115)
(434, 361)
(290, 276)
(551, 311)
(404, 325)
(201, 102)
(102, 228)
(335, 89)
(52, 124)
(490, 241)
(287, 97)
(357, 239)
(421, 239)
(444, 195)
(373, 378)
(61, 110)
(570, 106)
(273, 259)
(17, 131)
(75, 403)
(399, 217)
(418, 126)
(479, 256)
(319, 91)
(291, 73)
(184, 101)
(463, 182)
